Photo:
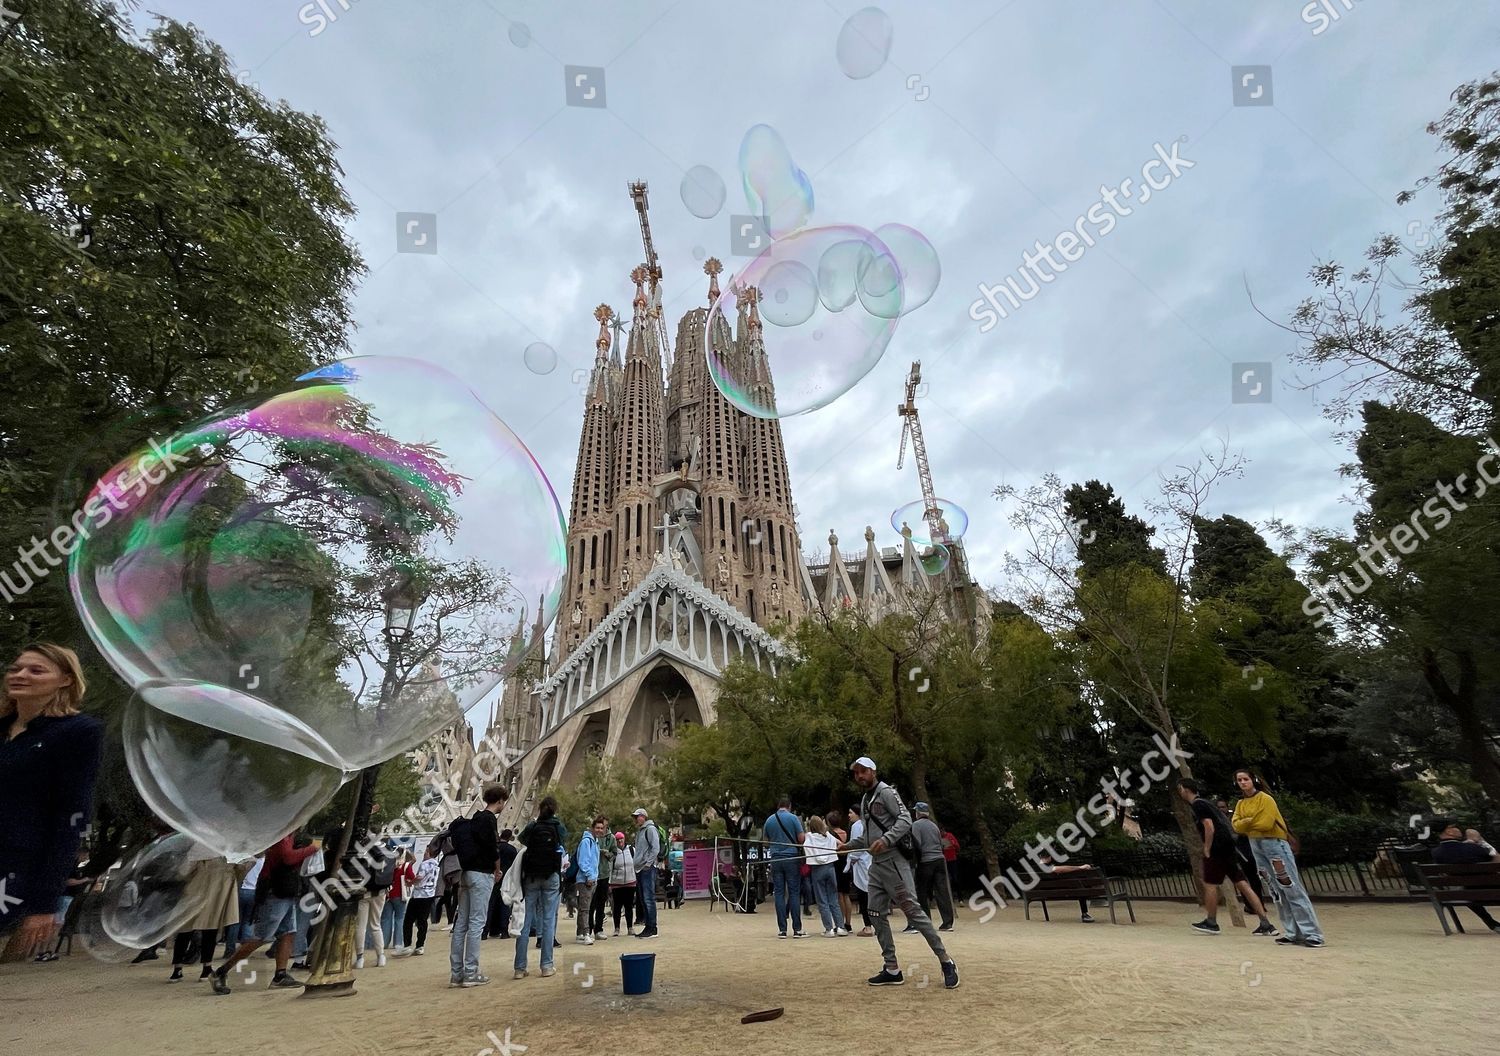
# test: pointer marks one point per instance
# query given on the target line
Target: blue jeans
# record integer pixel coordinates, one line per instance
(1292, 904)
(786, 882)
(825, 882)
(645, 882)
(235, 934)
(468, 925)
(542, 895)
(391, 919)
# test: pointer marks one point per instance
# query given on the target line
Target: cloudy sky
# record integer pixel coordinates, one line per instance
(992, 124)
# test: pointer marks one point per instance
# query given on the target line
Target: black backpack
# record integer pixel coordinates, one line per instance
(543, 856)
(286, 881)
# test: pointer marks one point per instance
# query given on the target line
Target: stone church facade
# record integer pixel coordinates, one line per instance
(683, 552)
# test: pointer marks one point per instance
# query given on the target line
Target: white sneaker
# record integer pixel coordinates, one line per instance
(828, 933)
(581, 940)
(359, 962)
(380, 961)
(601, 936)
(588, 940)
(617, 931)
(419, 951)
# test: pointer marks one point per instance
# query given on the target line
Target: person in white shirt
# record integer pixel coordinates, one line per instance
(858, 865)
(821, 848)
(419, 909)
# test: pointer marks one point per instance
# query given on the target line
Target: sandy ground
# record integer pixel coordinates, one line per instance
(1388, 981)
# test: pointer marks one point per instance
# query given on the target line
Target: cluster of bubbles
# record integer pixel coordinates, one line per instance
(311, 583)
(829, 297)
(864, 43)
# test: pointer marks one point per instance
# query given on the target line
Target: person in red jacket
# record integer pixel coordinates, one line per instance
(275, 913)
(950, 855)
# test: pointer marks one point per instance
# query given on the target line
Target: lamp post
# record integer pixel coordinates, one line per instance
(335, 946)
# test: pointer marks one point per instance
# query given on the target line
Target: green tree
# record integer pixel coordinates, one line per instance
(170, 239)
(612, 787)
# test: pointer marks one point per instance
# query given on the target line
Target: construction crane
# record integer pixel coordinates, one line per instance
(653, 271)
(911, 425)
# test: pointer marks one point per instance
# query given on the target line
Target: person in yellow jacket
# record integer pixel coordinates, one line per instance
(1257, 816)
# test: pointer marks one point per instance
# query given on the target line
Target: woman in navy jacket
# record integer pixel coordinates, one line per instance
(49, 759)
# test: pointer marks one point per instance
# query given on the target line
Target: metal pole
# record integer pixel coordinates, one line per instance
(335, 946)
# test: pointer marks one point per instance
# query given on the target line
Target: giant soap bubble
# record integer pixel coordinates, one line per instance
(818, 336)
(775, 187)
(914, 516)
(304, 587)
(158, 891)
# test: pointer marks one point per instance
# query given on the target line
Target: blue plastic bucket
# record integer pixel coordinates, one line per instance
(637, 969)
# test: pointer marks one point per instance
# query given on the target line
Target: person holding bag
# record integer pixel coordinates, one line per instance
(1257, 816)
(786, 836)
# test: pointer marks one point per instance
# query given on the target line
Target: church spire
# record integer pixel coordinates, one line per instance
(711, 267)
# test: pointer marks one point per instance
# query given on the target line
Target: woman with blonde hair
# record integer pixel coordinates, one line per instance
(822, 854)
(49, 760)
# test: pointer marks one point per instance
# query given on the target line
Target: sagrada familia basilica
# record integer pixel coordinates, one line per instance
(683, 553)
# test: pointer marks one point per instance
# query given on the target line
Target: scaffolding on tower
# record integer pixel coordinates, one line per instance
(653, 273)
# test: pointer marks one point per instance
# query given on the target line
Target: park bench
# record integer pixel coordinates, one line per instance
(1452, 886)
(1090, 883)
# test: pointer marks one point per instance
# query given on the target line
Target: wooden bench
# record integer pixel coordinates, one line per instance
(1452, 886)
(1087, 883)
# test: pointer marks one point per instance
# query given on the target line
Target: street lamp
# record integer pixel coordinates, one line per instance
(336, 945)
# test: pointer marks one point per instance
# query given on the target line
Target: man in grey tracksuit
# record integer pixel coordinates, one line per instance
(891, 881)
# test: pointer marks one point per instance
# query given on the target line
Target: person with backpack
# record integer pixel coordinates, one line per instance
(476, 842)
(647, 851)
(891, 880)
(275, 914)
(381, 864)
(786, 836)
(542, 845)
(586, 866)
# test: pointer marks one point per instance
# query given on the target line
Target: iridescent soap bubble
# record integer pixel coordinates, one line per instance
(520, 34)
(864, 43)
(540, 358)
(935, 559)
(913, 514)
(774, 187)
(703, 192)
(270, 772)
(812, 353)
(920, 271)
(244, 585)
(157, 891)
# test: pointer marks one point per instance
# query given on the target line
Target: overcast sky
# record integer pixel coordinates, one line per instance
(993, 124)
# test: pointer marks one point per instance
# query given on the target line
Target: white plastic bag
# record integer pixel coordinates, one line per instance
(510, 884)
(313, 864)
